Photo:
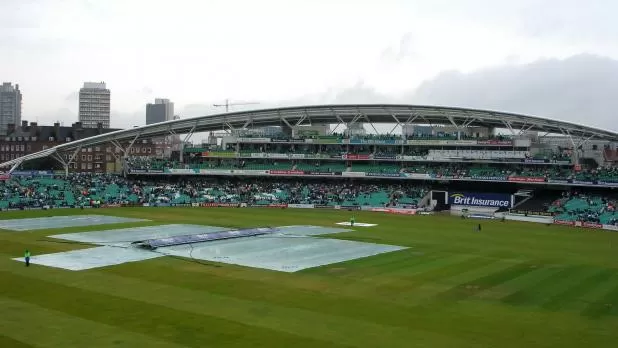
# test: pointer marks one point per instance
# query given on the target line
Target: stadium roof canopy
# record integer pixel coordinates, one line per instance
(345, 114)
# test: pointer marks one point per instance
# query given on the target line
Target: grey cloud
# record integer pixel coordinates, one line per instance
(580, 89)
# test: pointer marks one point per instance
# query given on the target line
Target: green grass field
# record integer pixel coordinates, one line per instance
(511, 285)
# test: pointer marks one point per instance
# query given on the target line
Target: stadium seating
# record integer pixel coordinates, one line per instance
(579, 207)
(93, 190)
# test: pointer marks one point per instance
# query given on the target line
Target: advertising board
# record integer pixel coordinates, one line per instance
(525, 179)
(395, 211)
(180, 171)
(493, 200)
(301, 206)
(286, 172)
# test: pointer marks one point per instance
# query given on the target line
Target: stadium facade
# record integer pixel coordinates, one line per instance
(437, 143)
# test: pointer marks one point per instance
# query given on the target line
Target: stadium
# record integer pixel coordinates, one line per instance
(332, 225)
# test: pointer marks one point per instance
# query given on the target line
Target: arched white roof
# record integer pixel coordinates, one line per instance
(374, 113)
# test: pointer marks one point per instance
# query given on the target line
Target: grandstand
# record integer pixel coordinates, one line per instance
(308, 162)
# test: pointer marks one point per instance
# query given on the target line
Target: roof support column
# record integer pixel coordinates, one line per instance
(70, 160)
(125, 153)
(64, 163)
(575, 153)
(338, 124)
(371, 124)
(509, 127)
(187, 137)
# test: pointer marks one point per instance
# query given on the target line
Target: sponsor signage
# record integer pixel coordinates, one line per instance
(253, 140)
(525, 179)
(287, 140)
(348, 207)
(180, 171)
(321, 173)
(564, 222)
(494, 200)
(227, 154)
(356, 157)
(389, 157)
(298, 155)
(489, 178)
(286, 172)
(277, 155)
(557, 181)
(591, 225)
(212, 205)
(413, 158)
(301, 206)
(258, 155)
(495, 142)
(32, 173)
(277, 206)
(395, 211)
(353, 174)
(610, 227)
(530, 160)
(441, 142)
(583, 182)
(152, 171)
(387, 175)
(529, 212)
(322, 206)
(611, 184)
(416, 175)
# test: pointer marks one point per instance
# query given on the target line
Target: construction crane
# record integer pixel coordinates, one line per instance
(228, 104)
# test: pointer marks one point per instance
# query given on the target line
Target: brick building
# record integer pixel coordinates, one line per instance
(104, 158)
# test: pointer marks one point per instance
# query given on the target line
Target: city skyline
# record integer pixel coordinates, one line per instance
(10, 106)
(94, 105)
(556, 59)
(160, 111)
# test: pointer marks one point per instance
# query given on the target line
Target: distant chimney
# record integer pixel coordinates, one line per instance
(57, 130)
(34, 129)
(10, 128)
(24, 125)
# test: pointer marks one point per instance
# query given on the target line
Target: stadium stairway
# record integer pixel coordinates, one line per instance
(539, 202)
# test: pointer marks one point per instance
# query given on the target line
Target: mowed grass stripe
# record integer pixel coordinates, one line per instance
(444, 268)
(371, 266)
(9, 342)
(572, 297)
(309, 327)
(536, 293)
(412, 269)
(128, 314)
(537, 274)
(473, 287)
(455, 270)
(426, 291)
(605, 306)
(19, 320)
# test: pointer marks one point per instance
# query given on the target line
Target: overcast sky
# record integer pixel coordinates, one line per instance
(554, 58)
